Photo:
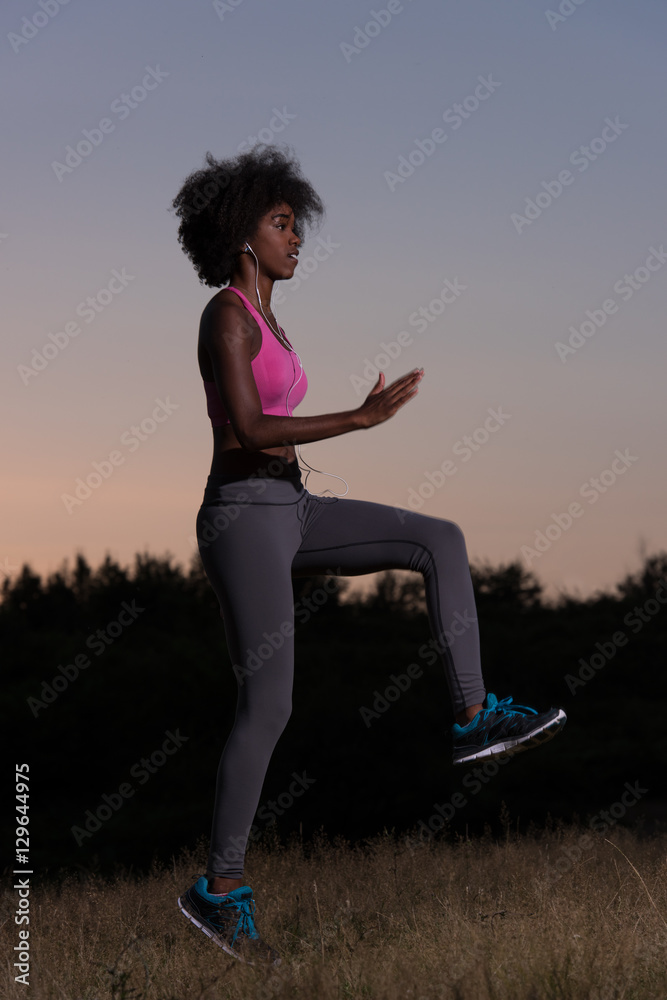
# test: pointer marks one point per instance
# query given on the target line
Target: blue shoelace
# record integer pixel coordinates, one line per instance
(245, 925)
(504, 706)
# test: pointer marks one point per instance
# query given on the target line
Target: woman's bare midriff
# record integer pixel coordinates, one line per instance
(229, 458)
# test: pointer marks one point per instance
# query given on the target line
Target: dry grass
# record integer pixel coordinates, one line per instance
(474, 920)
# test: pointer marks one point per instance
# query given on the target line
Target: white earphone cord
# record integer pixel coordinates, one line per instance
(294, 384)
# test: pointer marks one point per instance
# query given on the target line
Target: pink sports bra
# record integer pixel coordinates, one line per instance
(275, 371)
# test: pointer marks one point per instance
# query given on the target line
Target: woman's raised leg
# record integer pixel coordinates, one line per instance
(357, 536)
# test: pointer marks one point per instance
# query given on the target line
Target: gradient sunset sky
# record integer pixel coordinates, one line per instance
(493, 175)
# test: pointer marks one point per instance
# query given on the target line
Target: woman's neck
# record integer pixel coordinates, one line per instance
(252, 296)
(245, 282)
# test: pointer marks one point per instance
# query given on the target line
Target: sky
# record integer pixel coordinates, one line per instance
(493, 176)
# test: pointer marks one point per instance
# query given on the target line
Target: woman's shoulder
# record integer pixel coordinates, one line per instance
(224, 297)
(225, 313)
(224, 305)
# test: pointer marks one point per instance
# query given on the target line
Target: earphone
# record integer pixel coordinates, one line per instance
(281, 337)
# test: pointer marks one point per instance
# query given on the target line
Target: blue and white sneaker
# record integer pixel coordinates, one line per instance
(228, 920)
(503, 728)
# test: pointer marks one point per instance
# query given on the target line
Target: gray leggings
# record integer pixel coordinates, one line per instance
(254, 534)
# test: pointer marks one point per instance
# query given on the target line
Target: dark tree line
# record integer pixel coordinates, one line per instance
(119, 678)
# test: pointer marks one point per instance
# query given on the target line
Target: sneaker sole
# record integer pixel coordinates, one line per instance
(209, 933)
(513, 747)
(221, 944)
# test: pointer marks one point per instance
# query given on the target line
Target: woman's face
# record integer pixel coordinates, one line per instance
(276, 244)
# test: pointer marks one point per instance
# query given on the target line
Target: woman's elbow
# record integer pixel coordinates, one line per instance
(247, 437)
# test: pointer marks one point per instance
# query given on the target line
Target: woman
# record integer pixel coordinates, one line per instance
(241, 224)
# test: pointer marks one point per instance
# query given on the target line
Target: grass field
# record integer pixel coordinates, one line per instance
(558, 914)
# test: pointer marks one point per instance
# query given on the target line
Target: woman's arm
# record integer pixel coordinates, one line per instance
(229, 344)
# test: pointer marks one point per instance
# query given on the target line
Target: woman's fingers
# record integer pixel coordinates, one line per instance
(381, 403)
(410, 378)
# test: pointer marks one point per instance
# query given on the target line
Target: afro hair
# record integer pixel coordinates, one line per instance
(221, 206)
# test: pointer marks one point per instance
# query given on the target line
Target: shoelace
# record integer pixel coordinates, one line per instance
(504, 706)
(245, 925)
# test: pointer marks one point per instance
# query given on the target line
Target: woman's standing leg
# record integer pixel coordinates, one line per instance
(248, 563)
(247, 542)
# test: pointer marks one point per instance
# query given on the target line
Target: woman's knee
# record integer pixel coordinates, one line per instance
(451, 532)
(267, 719)
(273, 723)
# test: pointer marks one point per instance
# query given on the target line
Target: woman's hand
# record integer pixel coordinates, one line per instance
(382, 403)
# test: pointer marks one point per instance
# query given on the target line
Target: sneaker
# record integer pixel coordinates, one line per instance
(503, 728)
(228, 920)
